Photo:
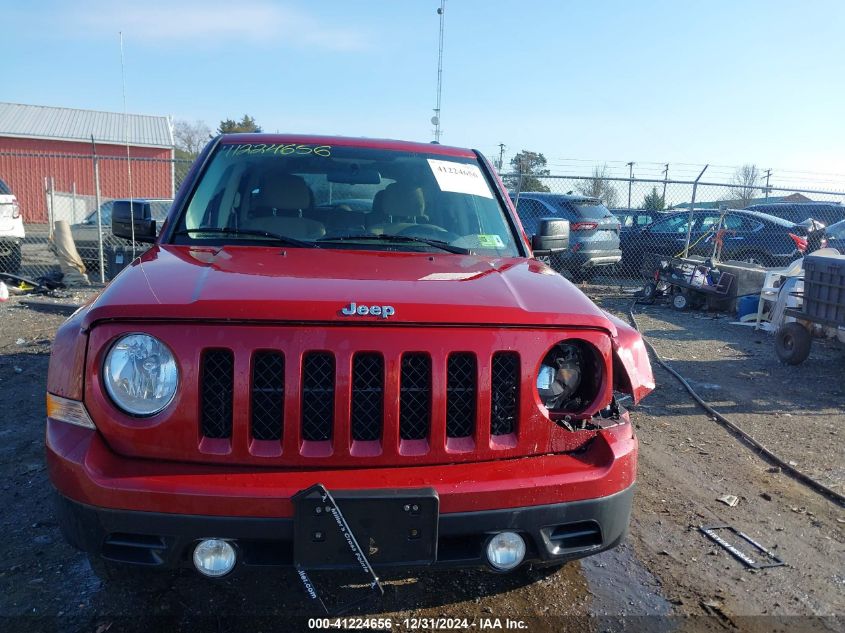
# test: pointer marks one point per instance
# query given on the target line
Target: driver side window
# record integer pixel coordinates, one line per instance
(677, 224)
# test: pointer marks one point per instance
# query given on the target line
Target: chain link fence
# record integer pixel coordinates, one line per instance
(621, 227)
(79, 189)
(617, 224)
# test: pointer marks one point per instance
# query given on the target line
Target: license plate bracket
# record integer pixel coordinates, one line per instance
(390, 526)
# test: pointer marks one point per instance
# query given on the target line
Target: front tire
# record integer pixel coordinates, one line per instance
(792, 343)
(649, 293)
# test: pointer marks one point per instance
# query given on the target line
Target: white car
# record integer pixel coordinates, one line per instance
(11, 231)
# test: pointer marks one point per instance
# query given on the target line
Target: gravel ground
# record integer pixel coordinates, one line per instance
(666, 577)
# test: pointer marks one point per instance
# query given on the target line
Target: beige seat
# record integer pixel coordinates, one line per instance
(279, 209)
(400, 206)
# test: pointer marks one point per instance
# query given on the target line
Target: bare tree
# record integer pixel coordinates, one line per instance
(190, 137)
(598, 186)
(746, 180)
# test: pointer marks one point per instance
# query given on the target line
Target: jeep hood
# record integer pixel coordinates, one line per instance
(254, 284)
(248, 283)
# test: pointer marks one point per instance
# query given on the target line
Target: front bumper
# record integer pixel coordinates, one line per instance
(578, 260)
(152, 512)
(553, 533)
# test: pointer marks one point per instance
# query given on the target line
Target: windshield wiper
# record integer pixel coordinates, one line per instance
(283, 239)
(459, 250)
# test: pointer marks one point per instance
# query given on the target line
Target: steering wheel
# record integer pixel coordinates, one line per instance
(429, 232)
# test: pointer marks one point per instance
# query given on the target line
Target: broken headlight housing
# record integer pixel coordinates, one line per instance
(140, 374)
(569, 377)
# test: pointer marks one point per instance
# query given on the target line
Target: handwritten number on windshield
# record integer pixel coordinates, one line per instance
(276, 149)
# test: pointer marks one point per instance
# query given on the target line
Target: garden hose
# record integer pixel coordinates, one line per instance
(761, 450)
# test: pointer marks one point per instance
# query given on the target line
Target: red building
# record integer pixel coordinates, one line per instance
(43, 147)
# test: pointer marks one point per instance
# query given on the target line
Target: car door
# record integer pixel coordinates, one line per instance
(667, 236)
(86, 235)
(730, 229)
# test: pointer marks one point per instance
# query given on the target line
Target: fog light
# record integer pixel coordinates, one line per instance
(505, 550)
(213, 557)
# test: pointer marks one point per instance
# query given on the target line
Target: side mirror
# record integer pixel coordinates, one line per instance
(553, 237)
(123, 216)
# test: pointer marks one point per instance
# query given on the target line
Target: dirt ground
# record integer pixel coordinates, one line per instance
(666, 577)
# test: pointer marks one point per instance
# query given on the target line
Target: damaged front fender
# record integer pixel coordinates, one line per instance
(631, 366)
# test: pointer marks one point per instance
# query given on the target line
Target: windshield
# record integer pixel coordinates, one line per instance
(345, 197)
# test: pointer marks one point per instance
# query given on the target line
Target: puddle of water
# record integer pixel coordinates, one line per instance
(621, 586)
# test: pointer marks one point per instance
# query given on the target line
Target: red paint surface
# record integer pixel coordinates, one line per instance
(83, 468)
(294, 284)
(174, 433)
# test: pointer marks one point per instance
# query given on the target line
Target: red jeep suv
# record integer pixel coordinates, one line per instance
(360, 318)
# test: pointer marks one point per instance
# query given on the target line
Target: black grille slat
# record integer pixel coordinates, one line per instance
(415, 397)
(505, 393)
(318, 387)
(268, 395)
(218, 376)
(367, 411)
(460, 395)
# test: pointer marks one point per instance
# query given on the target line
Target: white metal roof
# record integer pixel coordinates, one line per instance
(69, 124)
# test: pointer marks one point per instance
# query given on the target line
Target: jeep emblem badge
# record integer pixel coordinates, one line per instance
(353, 309)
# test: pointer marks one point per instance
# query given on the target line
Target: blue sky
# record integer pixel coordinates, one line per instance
(723, 82)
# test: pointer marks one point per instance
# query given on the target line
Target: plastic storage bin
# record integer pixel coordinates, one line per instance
(824, 288)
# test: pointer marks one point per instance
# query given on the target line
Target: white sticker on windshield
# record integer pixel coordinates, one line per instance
(459, 178)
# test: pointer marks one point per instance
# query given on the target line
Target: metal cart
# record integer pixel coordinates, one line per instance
(688, 283)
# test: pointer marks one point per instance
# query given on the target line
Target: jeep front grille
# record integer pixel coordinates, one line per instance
(301, 396)
(367, 405)
(217, 387)
(460, 395)
(415, 396)
(316, 402)
(367, 396)
(268, 395)
(504, 393)
(318, 383)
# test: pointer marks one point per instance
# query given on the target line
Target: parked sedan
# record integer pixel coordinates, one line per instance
(825, 212)
(86, 235)
(594, 231)
(835, 236)
(635, 219)
(746, 235)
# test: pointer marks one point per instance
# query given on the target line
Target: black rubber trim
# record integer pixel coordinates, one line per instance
(269, 541)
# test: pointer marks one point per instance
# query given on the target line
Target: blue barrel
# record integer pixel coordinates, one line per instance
(747, 305)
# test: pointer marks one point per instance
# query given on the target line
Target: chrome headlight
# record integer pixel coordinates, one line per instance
(569, 377)
(140, 374)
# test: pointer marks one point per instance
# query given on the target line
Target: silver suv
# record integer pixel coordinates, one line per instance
(593, 236)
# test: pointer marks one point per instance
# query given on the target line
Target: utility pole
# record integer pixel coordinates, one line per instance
(768, 175)
(665, 178)
(441, 11)
(501, 155)
(630, 181)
